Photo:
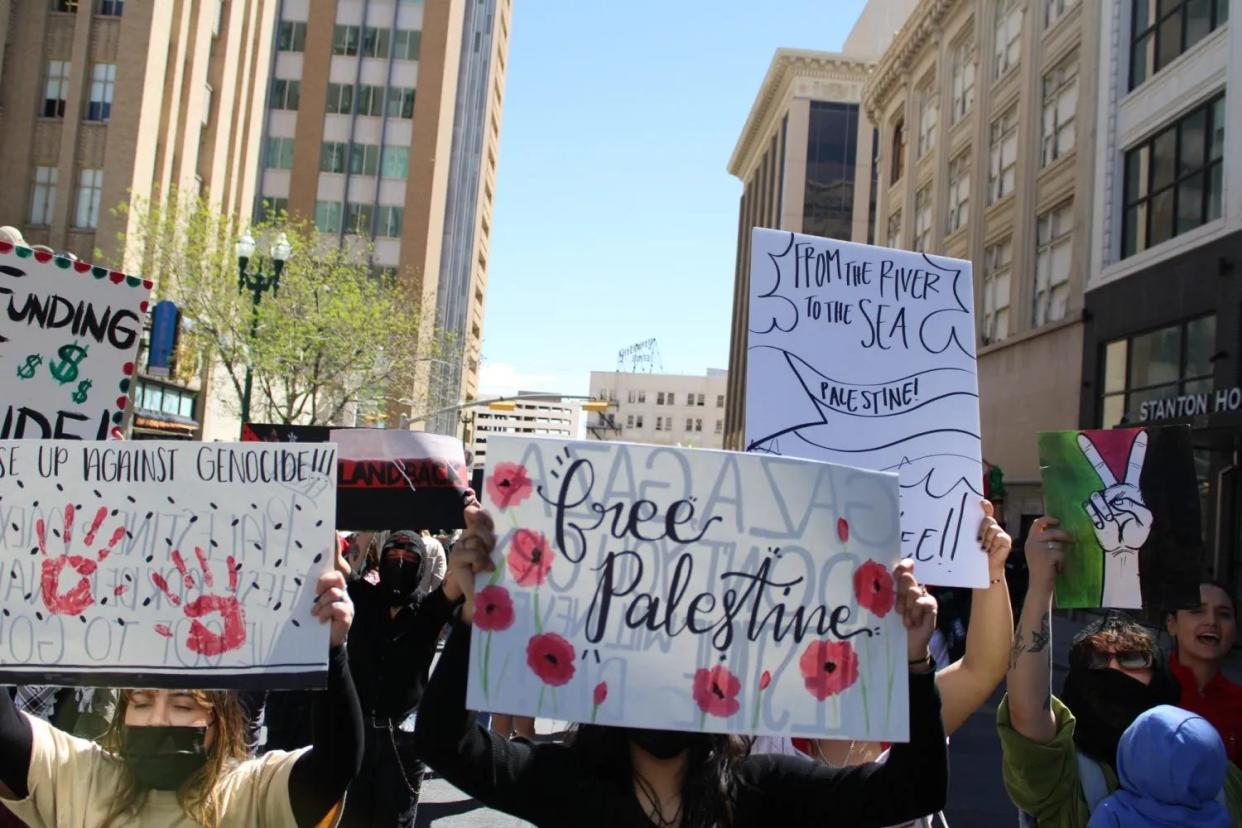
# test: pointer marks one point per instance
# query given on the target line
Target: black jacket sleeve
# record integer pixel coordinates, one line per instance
(912, 783)
(321, 775)
(16, 744)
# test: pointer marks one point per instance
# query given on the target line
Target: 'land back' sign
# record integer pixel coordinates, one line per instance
(69, 335)
(865, 356)
(691, 590)
(164, 564)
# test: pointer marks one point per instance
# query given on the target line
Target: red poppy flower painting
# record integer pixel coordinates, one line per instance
(551, 658)
(828, 668)
(715, 691)
(493, 609)
(509, 485)
(530, 559)
(601, 693)
(873, 587)
(843, 530)
(765, 680)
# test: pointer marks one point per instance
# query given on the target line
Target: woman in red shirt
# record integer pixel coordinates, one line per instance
(1205, 635)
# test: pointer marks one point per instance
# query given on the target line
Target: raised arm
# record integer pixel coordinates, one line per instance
(1030, 661)
(968, 682)
(16, 744)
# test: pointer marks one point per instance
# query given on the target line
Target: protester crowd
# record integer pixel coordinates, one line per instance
(1135, 737)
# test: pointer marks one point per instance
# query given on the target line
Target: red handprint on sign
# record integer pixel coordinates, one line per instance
(201, 639)
(81, 596)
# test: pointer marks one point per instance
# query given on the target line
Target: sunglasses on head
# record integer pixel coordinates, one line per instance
(1126, 659)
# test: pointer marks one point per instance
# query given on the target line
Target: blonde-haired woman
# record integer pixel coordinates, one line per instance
(178, 757)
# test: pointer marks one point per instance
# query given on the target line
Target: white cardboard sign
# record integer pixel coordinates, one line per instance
(691, 590)
(865, 356)
(164, 564)
(69, 334)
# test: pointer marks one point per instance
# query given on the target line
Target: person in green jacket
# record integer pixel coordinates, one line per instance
(1059, 753)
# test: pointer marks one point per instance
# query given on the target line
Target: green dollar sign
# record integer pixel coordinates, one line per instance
(66, 371)
(28, 370)
(79, 396)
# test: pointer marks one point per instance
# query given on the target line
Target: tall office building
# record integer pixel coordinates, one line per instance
(660, 409)
(547, 416)
(104, 98)
(384, 121)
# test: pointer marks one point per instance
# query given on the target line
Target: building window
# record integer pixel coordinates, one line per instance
(962, 80)
(959, 192)
(390, 222)
(701, 401)
(273, 209)
(346, 40)
(370, 100)
(103, 85)
(1173, 181)
(929, 118)
(1060, 104)
(631, 396)
(90, 193)
(1053, 257)
(660, 398)
(689, 424)
(340, 99)
(922, 218)
(401, 103)
(893, 239)
(659, 424)
(831, 150)
(395, 162)
(406, 44)
(358, 219)
(1007, 44)
(1054, 10)
(363, 159)
(642, 396)
(328, 216)
(291, 36)
(67, 6)
(998, 259)
(1157, 365)
(1003, 161)
(629, 421)
(43, 196)
(638, 421)
(720, 400)
(698, 424)
(1163, 31)
(375, 42)
(332, 156)
(111, 8)
(719, 426)
(56, 89)
(899, 151)
(286, 93)
(279, 154)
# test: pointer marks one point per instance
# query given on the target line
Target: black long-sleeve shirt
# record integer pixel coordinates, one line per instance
(547, 784)
(389, 656)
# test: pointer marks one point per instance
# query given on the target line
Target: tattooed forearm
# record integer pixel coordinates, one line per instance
(1015, 652)
(1040, 639)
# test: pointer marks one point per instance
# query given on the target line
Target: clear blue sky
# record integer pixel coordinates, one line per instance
(615, 217)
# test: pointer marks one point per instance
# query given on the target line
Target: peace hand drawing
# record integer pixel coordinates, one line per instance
(1121, 520)
(232, 619)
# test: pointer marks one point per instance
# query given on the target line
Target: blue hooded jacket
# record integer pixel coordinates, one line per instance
(1171, 764)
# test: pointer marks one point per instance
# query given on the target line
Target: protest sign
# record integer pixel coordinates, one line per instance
(164, 564)
(691, 590)
(865, 356)
(69, 335)
(1130, 498)
(387, 478)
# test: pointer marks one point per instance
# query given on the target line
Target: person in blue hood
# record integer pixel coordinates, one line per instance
(1171, 764)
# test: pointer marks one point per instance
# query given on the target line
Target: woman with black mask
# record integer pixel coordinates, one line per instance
(178, 757)
(632, 777)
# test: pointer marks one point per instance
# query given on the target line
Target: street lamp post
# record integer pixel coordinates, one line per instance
(258, 283)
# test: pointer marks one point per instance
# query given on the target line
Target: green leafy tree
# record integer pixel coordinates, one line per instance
(334, 338)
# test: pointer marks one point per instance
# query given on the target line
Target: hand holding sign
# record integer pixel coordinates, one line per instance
(471, 555)
(917, 608)
(333, 605)
(1121, 518)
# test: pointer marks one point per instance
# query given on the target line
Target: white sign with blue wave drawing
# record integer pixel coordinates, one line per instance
(865, 356)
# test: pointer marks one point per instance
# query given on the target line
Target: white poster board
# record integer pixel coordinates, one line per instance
(69, 336)
(164, 564)
(865, 356)
(690, 590)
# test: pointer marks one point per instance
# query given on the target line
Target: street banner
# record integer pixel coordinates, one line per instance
(164, 564)
(1130, 498)
(69, 336)
(388, 479)
(684, 589)
(865, 356)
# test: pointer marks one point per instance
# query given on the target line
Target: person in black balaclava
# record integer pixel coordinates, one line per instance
(390, 651)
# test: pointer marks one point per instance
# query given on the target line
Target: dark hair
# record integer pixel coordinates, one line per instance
(707, 788)
(1116, 631)
(1233, 601)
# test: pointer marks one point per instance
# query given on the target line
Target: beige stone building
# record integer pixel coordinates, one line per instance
(383, 120)
(537, 415)
(986, 125)
(660, 409)
(104, 98)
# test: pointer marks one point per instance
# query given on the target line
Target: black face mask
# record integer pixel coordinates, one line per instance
(1106, 702)
(163, 758)
(662, 744)
(400, 578)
